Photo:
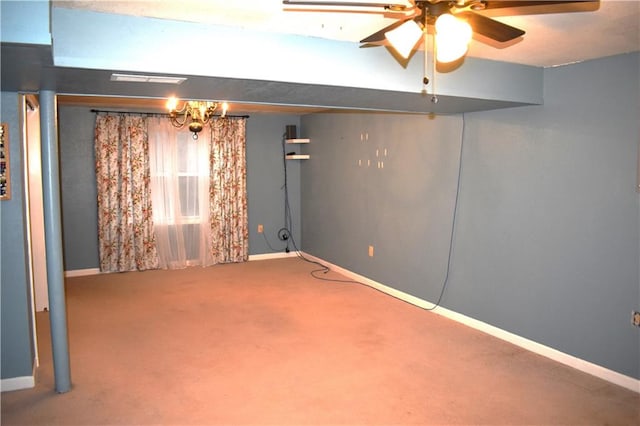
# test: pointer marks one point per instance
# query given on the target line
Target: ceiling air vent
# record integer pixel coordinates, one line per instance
(137, 78)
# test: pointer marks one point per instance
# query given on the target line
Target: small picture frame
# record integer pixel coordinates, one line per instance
(5, 181)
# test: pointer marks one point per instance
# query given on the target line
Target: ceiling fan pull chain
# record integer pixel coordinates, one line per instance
(434, 97)
(425, 77)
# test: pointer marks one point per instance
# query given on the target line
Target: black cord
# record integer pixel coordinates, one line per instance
(274, 250)
(325, 269)
(286, 233)
(288, 222)
(453, 220)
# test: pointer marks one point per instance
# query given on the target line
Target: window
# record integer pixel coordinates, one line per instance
(179, 194)
(180, 179)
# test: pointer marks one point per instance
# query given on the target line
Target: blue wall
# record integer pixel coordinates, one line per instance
(17, 346)
(265, 180)
(25, 22)
(549, 200)
(548, 223)
(546, 244)
(403, 209)
(78, 188)
(265, 177)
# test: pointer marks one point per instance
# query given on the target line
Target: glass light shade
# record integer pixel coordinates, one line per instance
(452, 38)
(172, 103)
(405, 37)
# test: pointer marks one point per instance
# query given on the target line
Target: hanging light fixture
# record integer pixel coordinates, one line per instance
(452, 34)
(404, 38)
(194, 114)
(452, 38)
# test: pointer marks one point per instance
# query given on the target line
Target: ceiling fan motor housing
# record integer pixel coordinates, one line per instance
(431, 11)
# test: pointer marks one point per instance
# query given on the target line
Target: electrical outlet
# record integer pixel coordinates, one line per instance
(635, 318)
(370, 251)
(260, 229)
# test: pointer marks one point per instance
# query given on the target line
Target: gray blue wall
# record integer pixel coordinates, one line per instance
(546, 243)
(403, 208)
(17, 345)
(265, 180)
(265, 177)
(78, 188)
(548, 223)
(549, 202)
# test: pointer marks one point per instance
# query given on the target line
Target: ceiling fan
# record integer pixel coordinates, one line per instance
(455, 20)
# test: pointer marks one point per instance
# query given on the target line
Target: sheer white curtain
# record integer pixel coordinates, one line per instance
(180, 195)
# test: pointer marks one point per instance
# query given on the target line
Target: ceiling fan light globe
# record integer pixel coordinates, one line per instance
(449, 52)
(452, 38)
(445, 23)
(404, 38)
(452, 27)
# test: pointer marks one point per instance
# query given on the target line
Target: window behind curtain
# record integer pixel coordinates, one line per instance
(188, 174)
(184, 168)
(180, 194)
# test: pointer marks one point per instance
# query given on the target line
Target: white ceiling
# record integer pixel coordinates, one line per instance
(550, 39)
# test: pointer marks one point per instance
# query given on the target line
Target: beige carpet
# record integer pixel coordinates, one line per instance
(265, 343)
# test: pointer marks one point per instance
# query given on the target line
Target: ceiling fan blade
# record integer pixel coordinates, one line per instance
(378, 36)
(385, 6)
(491, 28)
(534, 7)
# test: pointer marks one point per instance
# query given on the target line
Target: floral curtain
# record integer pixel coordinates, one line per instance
(228, 191)
(125, 219)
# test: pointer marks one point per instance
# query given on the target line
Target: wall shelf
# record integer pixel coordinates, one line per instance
(297, 157)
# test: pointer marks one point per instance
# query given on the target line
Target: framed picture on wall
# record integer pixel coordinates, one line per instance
(5, 183)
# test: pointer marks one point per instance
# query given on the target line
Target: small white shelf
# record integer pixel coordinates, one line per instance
(297, 157)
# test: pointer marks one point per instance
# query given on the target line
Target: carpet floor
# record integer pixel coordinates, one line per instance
(264, 343)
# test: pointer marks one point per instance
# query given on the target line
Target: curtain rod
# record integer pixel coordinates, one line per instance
(157, 113)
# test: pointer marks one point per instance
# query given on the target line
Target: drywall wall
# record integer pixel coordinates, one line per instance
(18, 353)
(402, 208)
(546, 241)
(265, 181)
(549, 202)
(78, 188)
(265, 177)
(25, 22)
(281, 69)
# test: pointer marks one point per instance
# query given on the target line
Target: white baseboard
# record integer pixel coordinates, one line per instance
(535, 347)
(268, 256)
(19, 383)
(81, 272)
(96, 271)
